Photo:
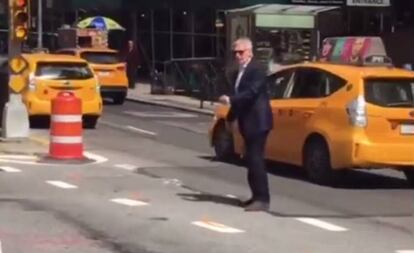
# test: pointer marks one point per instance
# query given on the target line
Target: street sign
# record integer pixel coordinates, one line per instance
(18, 64)
(17, 83)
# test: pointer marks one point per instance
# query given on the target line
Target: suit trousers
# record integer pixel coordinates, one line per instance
(131, 75)
(256, 165)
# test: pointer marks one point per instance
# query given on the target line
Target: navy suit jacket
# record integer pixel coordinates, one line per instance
(250, 105)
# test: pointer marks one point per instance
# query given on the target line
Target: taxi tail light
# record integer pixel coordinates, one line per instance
(32, 83)
(357, 112)
(98, 86)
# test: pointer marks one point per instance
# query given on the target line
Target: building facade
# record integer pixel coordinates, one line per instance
(170, 29)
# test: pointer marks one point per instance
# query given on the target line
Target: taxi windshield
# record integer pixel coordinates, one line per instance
(101, 57)
(63, 71)
(390, 92)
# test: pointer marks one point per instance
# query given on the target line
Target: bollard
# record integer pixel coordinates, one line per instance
(66, 127)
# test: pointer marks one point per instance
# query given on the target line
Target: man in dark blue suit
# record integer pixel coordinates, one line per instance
(250, 106)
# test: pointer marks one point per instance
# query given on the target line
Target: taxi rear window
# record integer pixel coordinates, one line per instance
(101, 57)
(398, 93)
(63, 70)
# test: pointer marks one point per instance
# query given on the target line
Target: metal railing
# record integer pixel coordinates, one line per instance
(197, 77)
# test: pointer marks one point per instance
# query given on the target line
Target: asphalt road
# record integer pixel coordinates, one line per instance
(155, 188)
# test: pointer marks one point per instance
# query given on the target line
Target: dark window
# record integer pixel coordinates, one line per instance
(278, 83)
(101, 57)
(332, 83)
(63, 71)
(313, 83)
(390, 92)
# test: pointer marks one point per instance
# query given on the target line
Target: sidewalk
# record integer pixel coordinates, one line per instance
(142, 94)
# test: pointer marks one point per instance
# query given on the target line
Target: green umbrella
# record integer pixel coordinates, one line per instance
(100, 22)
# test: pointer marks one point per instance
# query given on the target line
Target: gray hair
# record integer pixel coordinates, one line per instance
(244, 41)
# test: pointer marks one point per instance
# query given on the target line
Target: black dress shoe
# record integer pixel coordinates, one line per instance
(246, 203)
(257, 206)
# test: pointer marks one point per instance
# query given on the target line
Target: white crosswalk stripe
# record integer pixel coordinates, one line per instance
(322, 224)
(9, 169)
(126, 167)
(217, 227)
(62, 185)
(129, 202)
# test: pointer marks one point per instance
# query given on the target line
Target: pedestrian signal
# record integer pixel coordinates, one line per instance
(20, 13)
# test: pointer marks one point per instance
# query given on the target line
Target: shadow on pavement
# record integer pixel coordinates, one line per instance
(206, 197)
(351, 179)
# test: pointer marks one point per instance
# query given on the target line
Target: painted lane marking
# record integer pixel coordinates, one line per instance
(405, 251)
(10, 169)
(129, 128)
(30, 160)
(92, 156)
(143, 131)
(190, 128)
(161, 114)
(62, 185)
(19, 157)
(322, 224)
(1, 248)
(97, 158)
(126, 167)
(217, 227)
(129, 202)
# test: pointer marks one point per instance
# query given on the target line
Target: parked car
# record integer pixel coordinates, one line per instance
(109, 68)
(48, 74)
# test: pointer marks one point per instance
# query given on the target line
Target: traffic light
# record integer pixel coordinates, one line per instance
(20, 19)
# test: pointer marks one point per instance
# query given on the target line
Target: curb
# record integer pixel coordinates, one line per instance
(169, 105)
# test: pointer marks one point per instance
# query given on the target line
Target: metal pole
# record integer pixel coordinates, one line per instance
(152, 40)
(192, 34)
(381, 22)
(171, 34)
(15, 118)
(39, 24)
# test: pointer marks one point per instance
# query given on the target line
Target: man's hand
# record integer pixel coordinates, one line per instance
(225, 100)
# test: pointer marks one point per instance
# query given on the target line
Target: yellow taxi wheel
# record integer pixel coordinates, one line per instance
(39, 122)
(90, 122)
(223, 143)
(317, 162)
(119, 98)
(409, 175)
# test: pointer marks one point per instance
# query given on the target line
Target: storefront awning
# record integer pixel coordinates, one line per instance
(96, 4)
(287, 16)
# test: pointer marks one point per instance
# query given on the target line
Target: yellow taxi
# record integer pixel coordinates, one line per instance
(330, 117)
(109, 68)
(49, 74)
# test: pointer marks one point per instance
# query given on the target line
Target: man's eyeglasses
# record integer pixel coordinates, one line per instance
(238, 52)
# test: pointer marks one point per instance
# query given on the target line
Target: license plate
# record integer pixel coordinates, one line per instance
(407, 129)
(103, 73)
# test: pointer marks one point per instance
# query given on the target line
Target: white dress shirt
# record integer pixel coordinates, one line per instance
(240, 75)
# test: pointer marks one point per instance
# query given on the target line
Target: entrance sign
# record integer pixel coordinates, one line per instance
(369, 3)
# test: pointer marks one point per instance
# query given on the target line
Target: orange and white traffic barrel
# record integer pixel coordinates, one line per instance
(66, 127)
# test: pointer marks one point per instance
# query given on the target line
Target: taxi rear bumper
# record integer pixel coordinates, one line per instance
(383, 154)
(111, 90)
(43, 107)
